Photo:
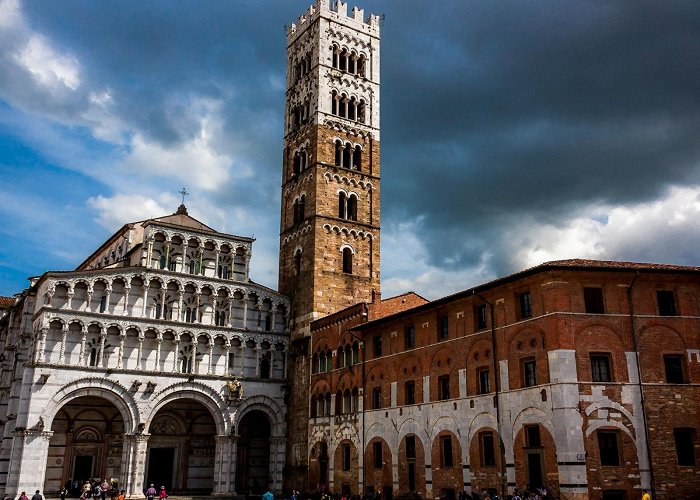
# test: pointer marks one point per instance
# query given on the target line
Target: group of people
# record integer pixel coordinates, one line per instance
(91, 489)
(527, 493)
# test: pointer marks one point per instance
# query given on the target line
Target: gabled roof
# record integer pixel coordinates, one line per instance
(182, 218)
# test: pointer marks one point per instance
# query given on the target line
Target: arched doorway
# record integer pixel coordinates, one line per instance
(181, 448)
(87, 443)
(253, 465)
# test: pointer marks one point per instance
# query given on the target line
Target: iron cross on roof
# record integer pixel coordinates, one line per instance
(184, 193)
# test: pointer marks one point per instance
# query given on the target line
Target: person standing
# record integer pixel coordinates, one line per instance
(23, 496)
(64, 493)
(268, 495)
(646, 495)
(37, 496)
(151, 492)
(163, 493)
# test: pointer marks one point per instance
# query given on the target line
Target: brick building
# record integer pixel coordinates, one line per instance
(547, 362)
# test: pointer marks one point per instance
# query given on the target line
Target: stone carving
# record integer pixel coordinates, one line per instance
(235, 391)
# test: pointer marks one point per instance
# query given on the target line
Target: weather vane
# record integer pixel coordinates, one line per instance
(184, 193)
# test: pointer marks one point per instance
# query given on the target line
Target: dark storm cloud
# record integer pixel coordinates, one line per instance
(504, 110)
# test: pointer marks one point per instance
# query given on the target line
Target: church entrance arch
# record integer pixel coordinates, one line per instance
(253, 467)
(181, 448)
(87, 443)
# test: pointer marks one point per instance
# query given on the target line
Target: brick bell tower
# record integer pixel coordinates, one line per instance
(329, 235)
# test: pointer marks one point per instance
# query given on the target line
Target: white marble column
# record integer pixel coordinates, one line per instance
(83, 340)
(234, 463)
(177, 355)
(64, 336)
(28, 457)
(149, 254)
(211, 355)
(137, 465)
(144, 309)
(127, 289)
(108, 295)
(41, 341)
(139, 354)
(159, 341)
(100, 357)
(222, 465)
(277, 446)
(120, 359)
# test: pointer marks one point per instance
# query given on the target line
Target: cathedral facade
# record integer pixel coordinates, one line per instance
(158, 360)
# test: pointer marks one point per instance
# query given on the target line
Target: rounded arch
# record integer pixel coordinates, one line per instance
(113, 392)
(269, 407)
(201, 393)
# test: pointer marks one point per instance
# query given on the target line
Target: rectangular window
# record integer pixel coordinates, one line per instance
(446, 451)
(410, 446)
(667, 303)
(443, 328)
(525, 305)
(482, 376)
(685, 446)
(377, 446)
(480, 317)
(593, 299)
(377, 346)
(410, 392)
(231, 360)
(444, 387)
(346, 457)
(607, 444)
(488, 455)
(529, 372)
(600, 368)
(376, 398)
(409, 336)
(673, 365)
(532, 436)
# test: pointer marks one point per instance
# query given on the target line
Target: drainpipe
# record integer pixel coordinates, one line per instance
(641, 386)
(501, 445)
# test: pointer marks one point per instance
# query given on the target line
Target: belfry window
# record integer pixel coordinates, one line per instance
(347, 206)
(297, 262)
(347, 260)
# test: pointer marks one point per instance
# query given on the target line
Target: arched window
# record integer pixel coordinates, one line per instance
(361, 66)
(352, 207)
(221, 318)
(347, 402)
(338, 154)
(297, 163)
(268, 322)
(339, 357)
(327, 410)
(297, 263)
(314, 364)
(339, 403)
(103, 303)
(347, 152)
(302, 207)
(93, 356)
(322, 362)
(162, 261)
(314, 404)
(347, 260)
(355, 353)
(224, 271)
(342, 205)
(343, 63)
(194, 265)
(357, 158)
(190, 314)
(265, 368)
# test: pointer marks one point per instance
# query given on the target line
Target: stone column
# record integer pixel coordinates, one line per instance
(246, 261)
(222, 465)
(180, 297)
(229, 320)
(100, 358)
(88, 297)
(228, 353)
(137, 445)
(145, 300)
(196, 307)
(64, 336)
(257, 349)
(245, 312)
(177, 355)
(216, 263)
(28, 458)
(139, 354)
(241, 349)
(108, 295)
(149, 254)
(272, 318)
(41, 340)
(211, 355)
(162, 303)
(120, 359)
(195, 366)
(127, 289)
(213, 310)
(83, 340)
(167, 256)
(276, 462)
(70, 294)
(234, 463)
(159, 340)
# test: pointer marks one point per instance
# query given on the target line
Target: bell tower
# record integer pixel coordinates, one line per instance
(329, 234)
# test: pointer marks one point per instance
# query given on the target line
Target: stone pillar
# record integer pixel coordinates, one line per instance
(162, 303)
(28, 458)
(234, 463)
(167, 256)
(230, 312)
(246, 262)
(139, 354)
(159, 340)
(272, 318)
(277, 449)
(177, 354)
(245, 312)
(137, 445)
(100, 359)
(145, 300)
(216, 263)
(70, 294)
(211, 355)
(88, 297)
(241, 349)
(41, 340)
(213, 310)
(120, 359)
(257, 360)
(64, 336)
(127, 289)
(180, 297)
(222, 465)
(149, 254)
(83, 340)
(108, 295)
(196, 308)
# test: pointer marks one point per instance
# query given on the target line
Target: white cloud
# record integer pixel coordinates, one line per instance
(50, 69)
(117, 210)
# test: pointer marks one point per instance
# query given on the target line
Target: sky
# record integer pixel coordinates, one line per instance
(513, 133)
